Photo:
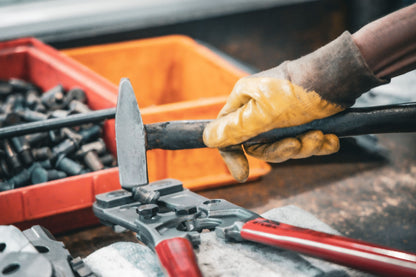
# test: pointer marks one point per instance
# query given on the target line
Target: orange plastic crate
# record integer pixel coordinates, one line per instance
(174, 78)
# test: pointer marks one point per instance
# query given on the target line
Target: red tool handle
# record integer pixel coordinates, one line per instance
(341, 250)
(178, 258)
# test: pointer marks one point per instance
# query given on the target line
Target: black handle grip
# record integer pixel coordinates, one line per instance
(175, 135)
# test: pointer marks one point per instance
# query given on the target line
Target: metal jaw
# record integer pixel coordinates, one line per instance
(177, 213)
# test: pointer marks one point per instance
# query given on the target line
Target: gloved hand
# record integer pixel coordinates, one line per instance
(318, 85)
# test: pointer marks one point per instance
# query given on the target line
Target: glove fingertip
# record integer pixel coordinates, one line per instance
(331, 145)
(237, 164)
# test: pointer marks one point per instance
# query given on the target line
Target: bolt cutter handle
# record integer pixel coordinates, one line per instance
(178, 258)
(341, 250)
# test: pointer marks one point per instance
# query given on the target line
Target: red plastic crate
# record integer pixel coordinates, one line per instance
(165, 75)
(33, 61)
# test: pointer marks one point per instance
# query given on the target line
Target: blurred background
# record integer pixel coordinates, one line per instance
(261, 33)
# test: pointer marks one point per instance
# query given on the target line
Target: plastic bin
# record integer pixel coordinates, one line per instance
(174, 78)
(63, 204)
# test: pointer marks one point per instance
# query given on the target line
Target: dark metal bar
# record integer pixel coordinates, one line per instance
(176, 135)
(56, 123)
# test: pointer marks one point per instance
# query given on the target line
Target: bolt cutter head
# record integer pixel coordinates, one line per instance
(180, 213)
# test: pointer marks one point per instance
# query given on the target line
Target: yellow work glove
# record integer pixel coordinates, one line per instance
(316, 86)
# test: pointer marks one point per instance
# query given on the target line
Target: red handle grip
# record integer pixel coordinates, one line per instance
(341, 250)
(178, 258)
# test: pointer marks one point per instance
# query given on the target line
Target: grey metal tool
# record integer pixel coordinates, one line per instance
(35, 252)
(130, 159)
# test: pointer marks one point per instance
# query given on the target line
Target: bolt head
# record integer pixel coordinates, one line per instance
(147, 211)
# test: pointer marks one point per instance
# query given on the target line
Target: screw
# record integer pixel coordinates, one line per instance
(65, 147)
(68, 166)
(147, 211)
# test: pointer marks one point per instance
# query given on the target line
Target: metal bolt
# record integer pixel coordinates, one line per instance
(43, 153)
(5, 88)
(70, 134)
(145, 196)
(8, 119)
(90, 134)
(97, 146)
(54, 98)
(40, 108)
(19, 104)
(76, 94)
(8, 106)
(22, 147)
(147, 211)
(34, 139)
(93, 162)
(46, 164)
(55, 136)
(11, 156)
(65, 147)
(31, 116)
(6, 185)
(21, 179)
(108, 160)
(68, 166)
(32, 98)
(41, 175)
(4, 169)
(76, 106)
(19, 85)
(59, 114)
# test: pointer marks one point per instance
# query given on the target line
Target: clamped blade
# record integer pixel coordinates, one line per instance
(130, 139)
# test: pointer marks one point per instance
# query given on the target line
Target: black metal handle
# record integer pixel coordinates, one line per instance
(174, 135)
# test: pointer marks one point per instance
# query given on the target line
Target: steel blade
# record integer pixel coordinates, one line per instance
(130, 139)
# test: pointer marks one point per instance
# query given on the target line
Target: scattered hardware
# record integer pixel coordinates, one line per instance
(52, 154)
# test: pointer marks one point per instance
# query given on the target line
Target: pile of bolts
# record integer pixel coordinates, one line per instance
(46, 156)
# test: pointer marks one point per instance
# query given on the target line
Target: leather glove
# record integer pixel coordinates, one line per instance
(315, 86)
